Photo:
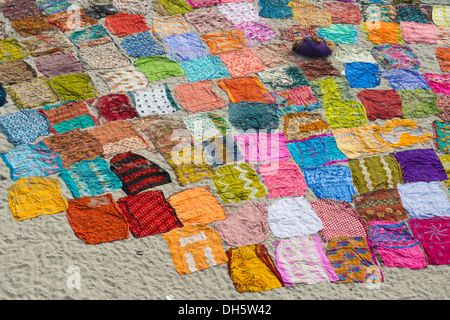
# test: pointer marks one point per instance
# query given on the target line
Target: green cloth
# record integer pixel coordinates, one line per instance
(158, 67)
(171, 7)
(77, 86)
(419, 103)
(10, 50)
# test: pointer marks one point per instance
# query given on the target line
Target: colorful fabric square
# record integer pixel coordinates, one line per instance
(206, 125)
(318, 68)
(413, 32)
(171, 7)
(238, 12)
(441, 135)
(207, 20)
(90, 178)
(439, 83)
(124, 23)
(246, 224)
(238, 182)
(293, 100)
(103, 56)
(35, 196)
(383, 32)
(31, 160)
(24, 126)
(221, 150)
(392, 56)
(11, 50)
(123, 80)
(65, 20)
(444, 105)
(405, 79)
(169, 25)
(197, 206)
(90, 36)
(261, 147)
(443, 36)
(273, 54)
(433, 234)
(210, 67)
(203, 3)
(332, 182)
(76, 86)
(338, 218)
(20, 9)
(309, 14)
(46, 43)
(340, 33)
(445, 159)
(302, 125)
(418, 103)
(383, 12)
(441, 15)
(198, 96)
(275, 9)
(148, 213)
(12, 72)
(97, 219)
(142, 44)
(346, 53)
(98, 12)
(195, 248)
(241, 62)
(377, 172)
(345, 13)
(185, 47)
(294, 31)
(253, 115)
(58, 64)
(381, 104)
(402, 133)
(156, 99)
(137, 173)
(73, 146)
(158, 67)
(256, 32)
(31, 94)
(32, 26)
(133, 6)
(118, 137)
(424, 200)
(282, 179)
(394, 244)
(224, 41)
(68, 115)
(292, 217)
(362, 74)
(113, 107)
(443, 58)
(53, 6)
(320, 150)
(251, 269)
(411, 13)
(240, 89)
(380, 205)
(302, 260)
(353, 260)
(283, 78)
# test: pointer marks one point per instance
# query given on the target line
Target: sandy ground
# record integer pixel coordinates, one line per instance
(40, 256)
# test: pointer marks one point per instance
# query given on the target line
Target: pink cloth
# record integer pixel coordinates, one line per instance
(256, 32)
(434, 235)
(263, 146)
(282, 179)
(413, 32)
(203, 3)
(439, 83)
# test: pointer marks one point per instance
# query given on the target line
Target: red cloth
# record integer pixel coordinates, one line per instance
(114, 107)
(124, 23)
(381, 104)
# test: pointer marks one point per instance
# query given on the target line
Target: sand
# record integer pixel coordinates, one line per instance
(41, 257)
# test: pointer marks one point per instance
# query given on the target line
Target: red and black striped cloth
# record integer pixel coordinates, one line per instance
(137, 173)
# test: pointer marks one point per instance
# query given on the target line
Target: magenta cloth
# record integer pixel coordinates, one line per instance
(282, 179)
(420, 165)
(395, 246)
(263, 146)
(439, 83)
(434, 235)
(203, 3)
(256, 32)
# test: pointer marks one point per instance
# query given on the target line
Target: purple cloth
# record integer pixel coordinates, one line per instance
(405, 79)
(420, 165)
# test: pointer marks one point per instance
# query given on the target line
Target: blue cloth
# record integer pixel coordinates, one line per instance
(405, 79)
(185, 47)
(142, 44)
(210, 67)
(3, 100)
(276, 9)
(362, 74)
(24, 126)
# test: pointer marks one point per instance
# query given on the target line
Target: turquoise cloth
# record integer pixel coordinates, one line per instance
(276, 9)
(210, 67)
(253, 115)
(340, 33)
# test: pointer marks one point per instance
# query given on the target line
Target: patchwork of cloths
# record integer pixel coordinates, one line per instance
(13, 72)
(340, 33)
(424, 200)
(142, 44)
(198, 96)
(238, 182)
(293, 100)
(75, 86)
(433, 234)
(132, 6)
(292, 217)
(221, 150)
(31, 160)
(169, 25)
(194, 248)
(441, 135)
(237, 12)
(247, 88)
(24, 126)
(210, 67)
(241, 62)
(148, 213)
(252, 269)
(318, 68)
(283, 78)
(90, 36)
(302, 125)
(46, 43)
(362, 74)
(392, 56)
(320, 150)
(11, 49)
(262, 147)
(89, 178)
(35, 196)
(103, 56)
(253, 115)
(171, 7)
(137, 173)
(332, 182)
(381, 104)
(343, 12)
(419, 103)
(439, 83)
(32, 26)
(380, 205)
(413, 32)
(68, 115)
(256, 32)
(197, 206)
(97, 219)
(155, 99)
(440, 15)
(302, 259)
(246, 224)
(275, 9)
(124, 23)
(207, 20)
(113, 107)
(65, 20)
(185, 47)
(59, 64)
(309, 14)
(273, 54)
(123, 80)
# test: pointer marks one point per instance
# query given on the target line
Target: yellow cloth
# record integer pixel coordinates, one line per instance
(34, 196)
(445, 159)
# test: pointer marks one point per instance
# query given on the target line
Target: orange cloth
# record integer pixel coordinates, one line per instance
(224, 41)
(385, 32)
(443, 56)
(243, 89)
